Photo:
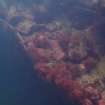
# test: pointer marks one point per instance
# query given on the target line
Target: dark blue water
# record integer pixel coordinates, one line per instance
(19, 83)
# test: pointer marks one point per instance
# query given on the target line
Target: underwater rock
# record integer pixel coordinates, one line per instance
(60, 53)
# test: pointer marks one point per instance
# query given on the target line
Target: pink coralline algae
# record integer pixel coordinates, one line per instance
(55, 63)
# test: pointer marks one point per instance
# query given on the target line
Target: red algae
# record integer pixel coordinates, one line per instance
(51, 64)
